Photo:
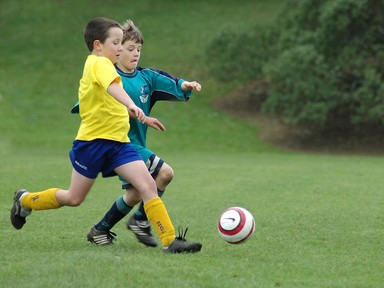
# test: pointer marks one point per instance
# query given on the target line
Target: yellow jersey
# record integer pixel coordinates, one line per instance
(102, 116)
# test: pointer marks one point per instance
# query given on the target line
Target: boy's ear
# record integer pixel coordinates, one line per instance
(97, 45)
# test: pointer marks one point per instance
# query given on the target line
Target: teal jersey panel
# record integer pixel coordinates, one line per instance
(146, 86)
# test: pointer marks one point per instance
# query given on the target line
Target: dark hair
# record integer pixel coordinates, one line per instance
(97, 29)
(131, 32)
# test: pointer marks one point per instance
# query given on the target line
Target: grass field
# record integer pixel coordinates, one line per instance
(319, 217)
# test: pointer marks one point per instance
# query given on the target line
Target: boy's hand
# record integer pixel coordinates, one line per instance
(186, 86)
(137, 112)
(154, 123)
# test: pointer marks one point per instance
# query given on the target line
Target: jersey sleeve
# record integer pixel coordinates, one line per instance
(165, 87)
(105, 73)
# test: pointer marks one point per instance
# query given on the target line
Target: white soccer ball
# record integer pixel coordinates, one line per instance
(236, 225)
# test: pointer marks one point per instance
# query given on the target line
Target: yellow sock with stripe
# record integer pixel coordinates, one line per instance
(158, 216)
(41, 200)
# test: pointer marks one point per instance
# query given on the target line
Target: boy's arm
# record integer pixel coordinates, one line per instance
(166, 87)
(185, 85)
(117, 92)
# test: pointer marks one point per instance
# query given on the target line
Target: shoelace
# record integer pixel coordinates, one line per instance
(182, 234)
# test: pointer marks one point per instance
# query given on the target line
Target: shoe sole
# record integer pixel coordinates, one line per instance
(193, 249)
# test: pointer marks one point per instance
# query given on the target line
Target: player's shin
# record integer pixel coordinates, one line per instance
(41, 200)
(158, 216)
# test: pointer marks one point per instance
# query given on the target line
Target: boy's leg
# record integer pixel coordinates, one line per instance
(41, 200)
(157, 214)
(25, 202)
(137, 174)
(140, 214)
(138, 223)
(55, 198)
(100, 234)
(163, 175)
(117, 212)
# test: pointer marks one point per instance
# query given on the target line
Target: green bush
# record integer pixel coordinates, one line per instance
(235, 55)
(302, 97)
(323, 61)
(370, 97)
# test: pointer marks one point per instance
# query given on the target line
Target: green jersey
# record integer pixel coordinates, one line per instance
(147, 86)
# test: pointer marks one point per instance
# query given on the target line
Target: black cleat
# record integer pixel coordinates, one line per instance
(180, 245)
(142, 231)
(18, 212)
(100, 237)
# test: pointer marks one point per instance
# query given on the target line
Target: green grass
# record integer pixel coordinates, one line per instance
(319, 224)
(319, 218)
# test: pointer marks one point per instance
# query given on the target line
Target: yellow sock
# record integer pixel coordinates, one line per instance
(41, 200)
(158, 216)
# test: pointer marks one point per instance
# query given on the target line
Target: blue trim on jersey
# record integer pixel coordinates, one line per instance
(75, 109)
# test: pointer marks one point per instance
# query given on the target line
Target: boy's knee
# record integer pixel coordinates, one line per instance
(165, 174)
(131, 197)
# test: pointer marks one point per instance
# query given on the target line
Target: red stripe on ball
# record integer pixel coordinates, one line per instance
(238, 228)
(246, 237)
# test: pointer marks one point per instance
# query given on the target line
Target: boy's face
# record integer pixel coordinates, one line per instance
(111, 48)
(130, 56)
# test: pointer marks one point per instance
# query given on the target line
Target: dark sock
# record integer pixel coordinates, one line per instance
(140, 213)
(117, 212)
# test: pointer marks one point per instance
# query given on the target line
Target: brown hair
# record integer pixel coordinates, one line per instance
(97, 29)
(131, 32)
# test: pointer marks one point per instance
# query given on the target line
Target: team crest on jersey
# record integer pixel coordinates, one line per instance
(144, 90)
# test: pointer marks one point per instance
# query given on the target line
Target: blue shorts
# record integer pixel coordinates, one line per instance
(89, 158)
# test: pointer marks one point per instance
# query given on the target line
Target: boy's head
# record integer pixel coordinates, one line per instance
(131, 32)
(97, 29)
(132, 43)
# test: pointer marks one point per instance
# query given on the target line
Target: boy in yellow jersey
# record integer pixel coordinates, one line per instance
(102, 144)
